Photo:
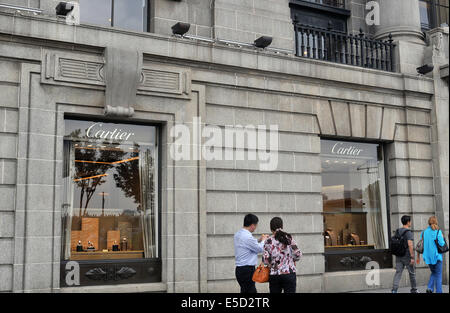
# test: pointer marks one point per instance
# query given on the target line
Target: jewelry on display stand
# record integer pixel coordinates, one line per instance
(79, 246)
(124, 244)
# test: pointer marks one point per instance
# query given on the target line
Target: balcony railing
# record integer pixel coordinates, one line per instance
(332, 3)
(339, 47)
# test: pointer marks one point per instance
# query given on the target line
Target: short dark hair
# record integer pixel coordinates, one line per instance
(406, 219)
(250, 219)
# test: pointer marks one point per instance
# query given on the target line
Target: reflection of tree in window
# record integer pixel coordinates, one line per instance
(127, 176)
(91, 165)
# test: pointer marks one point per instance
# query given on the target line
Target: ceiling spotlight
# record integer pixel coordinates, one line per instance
(63, 8)
(180, 28)
(425, 69)
(263, 42)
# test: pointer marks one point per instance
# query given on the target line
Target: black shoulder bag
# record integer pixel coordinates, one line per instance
(441, 249)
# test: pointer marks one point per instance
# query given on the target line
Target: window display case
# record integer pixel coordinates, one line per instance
(110, 209)
(354, 204)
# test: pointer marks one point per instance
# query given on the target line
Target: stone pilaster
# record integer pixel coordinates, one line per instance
(437, 54)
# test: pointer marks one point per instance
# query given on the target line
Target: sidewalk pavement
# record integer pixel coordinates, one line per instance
(421, 289)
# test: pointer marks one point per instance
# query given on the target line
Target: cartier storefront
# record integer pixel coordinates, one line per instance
(355, 212)
(110, 219)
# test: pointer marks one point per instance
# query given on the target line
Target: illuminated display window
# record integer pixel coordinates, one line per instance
(110, 204)
(354, 203)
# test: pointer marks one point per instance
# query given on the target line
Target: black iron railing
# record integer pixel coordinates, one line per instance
(339, 47)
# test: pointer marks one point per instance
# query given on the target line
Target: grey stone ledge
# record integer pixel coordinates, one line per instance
(152, 287)
(166, 46)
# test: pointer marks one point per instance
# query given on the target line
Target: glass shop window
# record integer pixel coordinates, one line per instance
(110, 204)
(125, 14)
(354, 200)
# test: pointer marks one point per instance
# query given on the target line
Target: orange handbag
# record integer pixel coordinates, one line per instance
(261, 274)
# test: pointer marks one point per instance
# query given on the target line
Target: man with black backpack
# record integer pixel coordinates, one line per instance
(402, 246)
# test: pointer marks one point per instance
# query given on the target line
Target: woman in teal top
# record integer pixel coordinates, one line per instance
(431, 256)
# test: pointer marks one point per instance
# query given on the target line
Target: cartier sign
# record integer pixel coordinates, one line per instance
(109, 132)
(97, 131)
(346, 149)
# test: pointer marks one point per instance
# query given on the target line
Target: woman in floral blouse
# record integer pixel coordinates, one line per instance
(280, 254)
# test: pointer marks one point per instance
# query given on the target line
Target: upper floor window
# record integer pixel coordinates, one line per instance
(333, 3)
(434, 13)
(325, 14)
(321, 33)
(126, 14)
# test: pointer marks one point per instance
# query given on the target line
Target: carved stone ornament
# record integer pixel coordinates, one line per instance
(96, 274)
(355, 261)
(71, 69)
(111, 273)
(122, 75)
(126, 272)
(438, 43)
(119, 111)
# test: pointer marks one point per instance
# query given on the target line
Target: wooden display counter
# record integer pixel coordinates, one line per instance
(110, 255)
(350, 247)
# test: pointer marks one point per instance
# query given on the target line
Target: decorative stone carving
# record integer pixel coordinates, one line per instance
(161, 79)
(125, 272)
(96, 274)
(438, 43)
(69, 69)
(435, 51)
(65, 68)
(118, 111)
(122, 75)
(110, 273)
(355, 261)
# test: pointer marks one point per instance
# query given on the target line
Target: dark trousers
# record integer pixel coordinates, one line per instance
(284, 282)
(400, 264)
(244, 275)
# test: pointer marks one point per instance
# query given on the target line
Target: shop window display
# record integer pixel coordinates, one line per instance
(354, 201)
(110, 205)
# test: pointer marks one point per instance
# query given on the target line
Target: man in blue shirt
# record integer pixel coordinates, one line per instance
(246, 249)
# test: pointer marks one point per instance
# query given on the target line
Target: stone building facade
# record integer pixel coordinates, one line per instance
(52, 72)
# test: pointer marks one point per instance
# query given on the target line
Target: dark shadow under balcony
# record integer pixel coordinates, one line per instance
(339, 47)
